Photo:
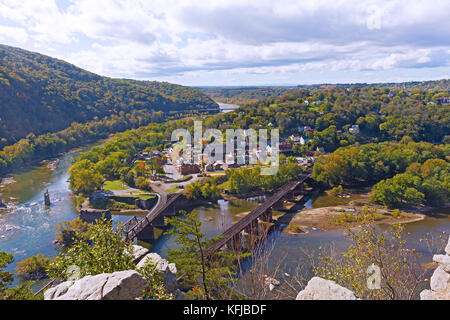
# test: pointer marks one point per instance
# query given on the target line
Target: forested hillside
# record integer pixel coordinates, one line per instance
(382, 114)
(243, 95)
(40, 94)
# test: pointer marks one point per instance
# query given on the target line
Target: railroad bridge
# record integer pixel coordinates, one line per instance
(256, 222)
(141, 228)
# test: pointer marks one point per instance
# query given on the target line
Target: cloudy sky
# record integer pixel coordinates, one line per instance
(255, 42)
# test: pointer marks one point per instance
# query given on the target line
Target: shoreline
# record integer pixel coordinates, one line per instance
(333, 217)
(327, 219)
(38, 162)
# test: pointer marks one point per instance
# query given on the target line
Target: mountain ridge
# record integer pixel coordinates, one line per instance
(41, 94)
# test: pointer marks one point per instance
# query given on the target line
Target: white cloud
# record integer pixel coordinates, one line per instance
(169, 38)
(17, 34)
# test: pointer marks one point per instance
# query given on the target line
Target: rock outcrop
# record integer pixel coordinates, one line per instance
(138, 253)
(122, 285)
(166, 269)
(321, 289)
(440, 280)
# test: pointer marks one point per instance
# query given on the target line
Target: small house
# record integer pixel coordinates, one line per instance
(354, 129)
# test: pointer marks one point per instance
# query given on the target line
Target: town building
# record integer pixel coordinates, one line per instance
(443, 100)
(354, 129)
(285, 147)
(188, 168)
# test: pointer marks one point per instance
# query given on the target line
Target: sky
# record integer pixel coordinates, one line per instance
(238, 43)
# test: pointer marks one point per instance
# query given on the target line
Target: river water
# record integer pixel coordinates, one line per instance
(28, 227)
(226, 107)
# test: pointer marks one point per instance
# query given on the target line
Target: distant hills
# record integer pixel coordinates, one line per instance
(244, 94)
(40, 94)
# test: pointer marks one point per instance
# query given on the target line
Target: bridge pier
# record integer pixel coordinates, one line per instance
(171, 211)
(146, 235)
(258, 223)
(279, 205)
(235, 243)
(158, 222)
(266, 216)
(252, 228)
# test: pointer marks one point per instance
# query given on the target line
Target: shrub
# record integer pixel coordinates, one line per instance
(102, 250)
(67, 231)
(397, 214)
(337, 190)
(33, 267)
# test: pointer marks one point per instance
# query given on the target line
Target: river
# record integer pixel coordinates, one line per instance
(28, 227)
(226, 107)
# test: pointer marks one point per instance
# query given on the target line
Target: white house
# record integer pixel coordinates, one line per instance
(295, 138)
(303, 141)
(354, 129)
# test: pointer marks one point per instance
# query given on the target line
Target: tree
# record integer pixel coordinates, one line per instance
(33, 267)
(330, 169)
(421, 183)
(155, 282)
(66, 231)
(5, 277)
(401, 273)
(83, 177)
(208, 277)
(21, 292)
(102, 251)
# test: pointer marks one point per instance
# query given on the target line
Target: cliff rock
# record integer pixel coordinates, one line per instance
(321, 289)
(122, 285)
(440, 280)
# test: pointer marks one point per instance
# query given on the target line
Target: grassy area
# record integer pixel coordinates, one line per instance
(184, 179)
(142, 194)
(115, 185)
(145, 196)
(174, 189)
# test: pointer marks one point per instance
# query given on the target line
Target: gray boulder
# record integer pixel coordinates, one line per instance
(122, 285)
(440, 280)
(321, 289)
(447, 248)
(139, 252)
(272, 283)
(433, 295)
(166, 269)
(443, 261)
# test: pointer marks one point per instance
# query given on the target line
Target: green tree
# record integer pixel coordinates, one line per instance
(102, 251)
(209, 277)
(33, 267)
(21, 292)
(83, 177)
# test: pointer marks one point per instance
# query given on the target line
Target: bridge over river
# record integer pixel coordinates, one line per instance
(141, 228)
(232, 237)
